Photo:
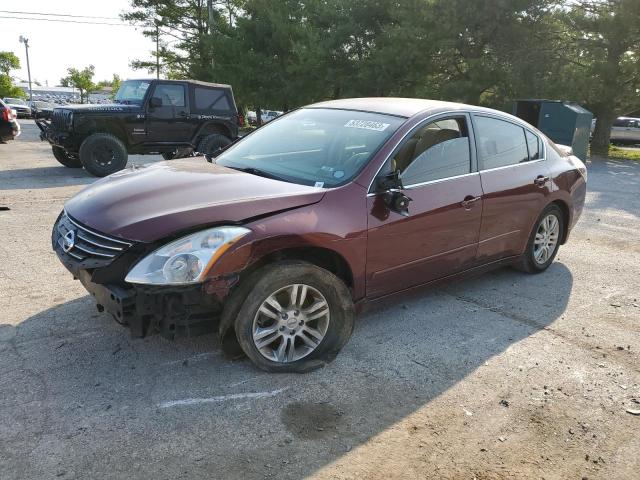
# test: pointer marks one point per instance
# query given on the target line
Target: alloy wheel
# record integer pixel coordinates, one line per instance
(291, 323)
(546, 240)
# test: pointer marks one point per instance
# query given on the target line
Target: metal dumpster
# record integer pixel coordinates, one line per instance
(566, 123)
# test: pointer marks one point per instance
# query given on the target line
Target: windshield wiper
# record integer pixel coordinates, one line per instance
(258, 172)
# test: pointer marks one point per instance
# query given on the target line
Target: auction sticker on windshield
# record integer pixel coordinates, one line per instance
(367, 125)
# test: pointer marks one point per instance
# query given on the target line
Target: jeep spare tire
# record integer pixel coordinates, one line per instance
(102, 154)
(65, 158)
(213, 144)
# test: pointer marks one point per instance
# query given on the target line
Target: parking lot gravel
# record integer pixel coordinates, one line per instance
(502, 376)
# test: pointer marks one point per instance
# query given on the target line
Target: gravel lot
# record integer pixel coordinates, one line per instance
(503, 376)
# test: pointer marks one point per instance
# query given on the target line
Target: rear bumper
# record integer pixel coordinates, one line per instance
(9, 130)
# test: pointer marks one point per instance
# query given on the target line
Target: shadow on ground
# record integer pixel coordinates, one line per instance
(79, 398)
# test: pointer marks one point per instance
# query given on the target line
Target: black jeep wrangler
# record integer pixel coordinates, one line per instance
(174, 118)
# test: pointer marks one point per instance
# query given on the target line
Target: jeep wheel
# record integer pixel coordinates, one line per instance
(212, 144)
(65, 158)
(102, 154)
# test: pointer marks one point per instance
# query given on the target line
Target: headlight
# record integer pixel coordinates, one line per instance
(187, 259)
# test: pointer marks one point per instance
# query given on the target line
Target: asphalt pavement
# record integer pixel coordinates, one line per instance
(504, 376)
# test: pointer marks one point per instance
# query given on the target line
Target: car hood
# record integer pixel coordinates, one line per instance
(150, 203)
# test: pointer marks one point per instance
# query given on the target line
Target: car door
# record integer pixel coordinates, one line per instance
(515, 182)
(634, 131)
(439, 234)
(169, 121)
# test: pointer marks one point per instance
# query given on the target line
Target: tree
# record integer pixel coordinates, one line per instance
(604, 36)
(8, 61)
(183, 30)
(7, 89)
(80, 79)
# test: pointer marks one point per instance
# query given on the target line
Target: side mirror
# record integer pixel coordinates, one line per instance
(397, 202)
(155, 102)
(390, 186)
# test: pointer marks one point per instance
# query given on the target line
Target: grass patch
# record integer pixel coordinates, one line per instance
(623, 154)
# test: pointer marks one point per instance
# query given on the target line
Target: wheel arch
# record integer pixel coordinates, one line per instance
(564, 208)
(325, 258)
(212, 128)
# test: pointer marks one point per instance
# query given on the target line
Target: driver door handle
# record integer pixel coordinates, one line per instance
(182, 114)
(541, 180)
(469, 200)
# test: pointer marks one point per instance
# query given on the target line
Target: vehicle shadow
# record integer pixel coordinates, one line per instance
(43, 177)
(80, 396)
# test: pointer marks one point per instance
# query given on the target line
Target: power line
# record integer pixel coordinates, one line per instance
(57, 15)
(68, 21)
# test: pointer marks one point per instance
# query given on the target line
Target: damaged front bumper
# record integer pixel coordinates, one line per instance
(168, 310)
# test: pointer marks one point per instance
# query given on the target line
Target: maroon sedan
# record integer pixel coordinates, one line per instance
(280, 241)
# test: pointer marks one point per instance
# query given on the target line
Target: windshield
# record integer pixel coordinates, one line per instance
(320, 147)
(15, 101)
(132, 91)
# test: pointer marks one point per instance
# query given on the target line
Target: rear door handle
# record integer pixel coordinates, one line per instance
(541, 180)
(182, 114)
(469, 200)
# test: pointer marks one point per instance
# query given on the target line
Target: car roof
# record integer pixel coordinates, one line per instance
(401, 107)
(195, 82)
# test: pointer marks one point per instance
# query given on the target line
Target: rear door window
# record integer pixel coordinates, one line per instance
(500, 143)
(211, 99)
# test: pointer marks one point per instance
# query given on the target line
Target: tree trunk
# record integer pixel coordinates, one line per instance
(602, 132)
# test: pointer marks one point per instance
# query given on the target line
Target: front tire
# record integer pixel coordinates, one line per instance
(102, 154)
(65, 158)
(296, 317)
(544, 241)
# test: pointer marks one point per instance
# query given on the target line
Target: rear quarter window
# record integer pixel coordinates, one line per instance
(210, 100)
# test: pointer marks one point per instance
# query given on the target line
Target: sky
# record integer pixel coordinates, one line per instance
(54, 46)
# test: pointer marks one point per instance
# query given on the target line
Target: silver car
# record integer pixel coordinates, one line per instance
(626, 130)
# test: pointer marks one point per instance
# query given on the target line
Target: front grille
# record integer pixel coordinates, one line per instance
(61, 119)
(84, 245)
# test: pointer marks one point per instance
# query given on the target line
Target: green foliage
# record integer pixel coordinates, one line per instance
(8, 61)
(7, 89)
(80, 79)
(623, 153)
(490, 52)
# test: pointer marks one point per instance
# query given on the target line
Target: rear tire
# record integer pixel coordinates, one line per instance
(212, 144)
(65, 158)
(544, 241)
(318, 324)
(102, 154)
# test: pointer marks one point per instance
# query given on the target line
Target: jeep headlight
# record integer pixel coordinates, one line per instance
(186, 260)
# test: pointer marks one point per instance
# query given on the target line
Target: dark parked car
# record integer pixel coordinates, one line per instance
(40, 109)
(9, 126)
(170, 117)
(19, 105)
(302, 222)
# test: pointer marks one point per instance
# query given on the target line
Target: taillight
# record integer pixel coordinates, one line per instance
(6, 114)
(240, 120)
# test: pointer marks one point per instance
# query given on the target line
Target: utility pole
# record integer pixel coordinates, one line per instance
(26, 48)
